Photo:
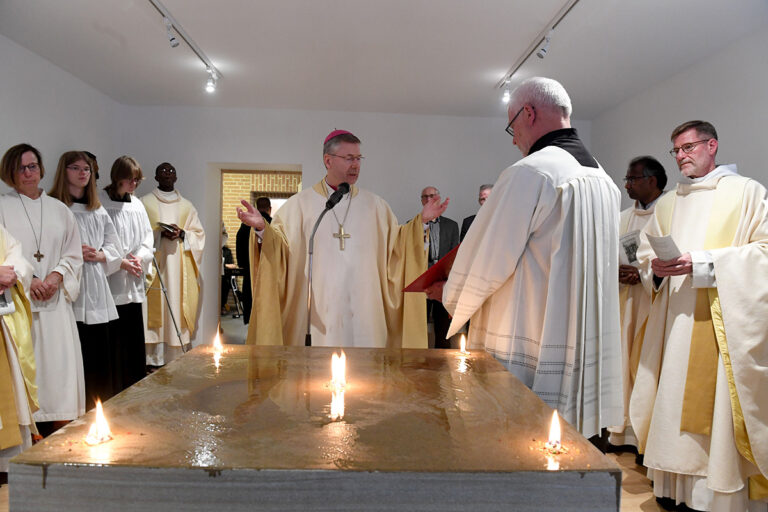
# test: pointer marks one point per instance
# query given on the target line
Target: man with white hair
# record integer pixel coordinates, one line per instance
(537, 272)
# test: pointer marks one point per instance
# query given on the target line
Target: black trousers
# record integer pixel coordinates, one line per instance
(100, 350)
(132, 354)
(441, 320)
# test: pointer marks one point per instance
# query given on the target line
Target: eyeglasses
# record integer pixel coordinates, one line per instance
(687, 148)
(77, 168)
(509, 128)
(167, 171)
(33, 167)
(135, 181)
(350, 159)
(429, 196)
(632, 179)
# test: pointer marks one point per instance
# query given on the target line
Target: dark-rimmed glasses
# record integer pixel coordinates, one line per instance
(687, 147)
(509, 128)
(349, 158)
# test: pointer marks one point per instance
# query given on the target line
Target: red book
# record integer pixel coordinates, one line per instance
(437, 272)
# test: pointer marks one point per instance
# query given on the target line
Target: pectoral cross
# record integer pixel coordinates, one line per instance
(341, 235)
(38, 256)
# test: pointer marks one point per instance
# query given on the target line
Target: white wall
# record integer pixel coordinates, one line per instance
(728, 89)
(51, 109)
(56, 112)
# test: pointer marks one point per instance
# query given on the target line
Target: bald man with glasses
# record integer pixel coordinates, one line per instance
(699, 404)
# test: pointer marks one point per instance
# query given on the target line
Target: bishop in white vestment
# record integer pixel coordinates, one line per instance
(179, 255)
(537, 270)
(362, 260)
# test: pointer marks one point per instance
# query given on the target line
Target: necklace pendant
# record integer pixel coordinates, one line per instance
(341, 235)
(38, 256)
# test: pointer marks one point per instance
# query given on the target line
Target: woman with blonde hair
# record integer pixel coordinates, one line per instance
(50, 241)
(127, 284)
(95, 312)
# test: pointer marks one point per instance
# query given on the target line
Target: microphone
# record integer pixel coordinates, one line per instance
(337, 195)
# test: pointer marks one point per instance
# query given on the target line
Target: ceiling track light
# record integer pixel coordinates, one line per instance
(536, 45)
(169, 30)
(171, 26)
(507, 95)
(545, 47)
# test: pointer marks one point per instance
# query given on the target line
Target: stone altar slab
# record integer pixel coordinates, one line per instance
(421, 430)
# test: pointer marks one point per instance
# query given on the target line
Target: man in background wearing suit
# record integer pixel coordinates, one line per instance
(485, 191)
(443, 236)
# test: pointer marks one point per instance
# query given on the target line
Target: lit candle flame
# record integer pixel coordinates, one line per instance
(552, 464)
(463, 345)
(99, 432)
(218, 349)
(554, 434)
(338, 371)
(337, 405)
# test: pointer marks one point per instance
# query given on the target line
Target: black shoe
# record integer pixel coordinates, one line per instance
(666, 503)
(3, 478)
(685, 508)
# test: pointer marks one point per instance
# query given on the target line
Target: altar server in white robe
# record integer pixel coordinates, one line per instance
(95, 312)
(537, 270)
(362, 260)
(18, 391)
(645, 181)
(50, 241)
(179, 256)
(699, 406)
(127, 284)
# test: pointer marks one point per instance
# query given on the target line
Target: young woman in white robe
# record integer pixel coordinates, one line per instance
(50, 241)
(127, 284)
(95, 312)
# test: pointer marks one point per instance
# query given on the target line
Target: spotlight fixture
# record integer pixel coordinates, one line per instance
(174, 29)
(210, 84)
(505, 98)
(169, 30)
(545, 47)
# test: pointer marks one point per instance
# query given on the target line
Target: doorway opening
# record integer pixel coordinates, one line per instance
(278, 186)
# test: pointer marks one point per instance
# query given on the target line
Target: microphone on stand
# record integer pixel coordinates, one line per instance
(333, 200)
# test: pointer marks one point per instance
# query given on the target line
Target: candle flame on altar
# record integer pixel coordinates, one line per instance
(338, 371)
(218, 348)
(337, 405)
(552, 464)
(99, 432)
(554, 434)
(463, 345)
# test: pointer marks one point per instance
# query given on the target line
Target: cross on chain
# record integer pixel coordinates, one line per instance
(38, 256)
(341, 235)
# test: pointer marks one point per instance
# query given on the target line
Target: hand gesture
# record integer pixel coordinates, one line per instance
(173, 235)
(433, 209)
(251, 216)
(93, 255)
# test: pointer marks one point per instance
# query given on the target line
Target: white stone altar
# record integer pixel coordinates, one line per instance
(425, 430)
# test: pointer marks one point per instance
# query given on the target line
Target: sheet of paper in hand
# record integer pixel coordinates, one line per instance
(664, 247)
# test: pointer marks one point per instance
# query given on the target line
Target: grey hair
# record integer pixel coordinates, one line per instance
(333, 144)
(487, 186)
(543, 92)
(430, 186)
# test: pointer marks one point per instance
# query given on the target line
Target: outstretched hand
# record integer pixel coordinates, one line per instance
(251, 216)
(433, 209)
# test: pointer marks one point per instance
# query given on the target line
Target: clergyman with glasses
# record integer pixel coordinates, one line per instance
(179, 243)
(537, 271)
(699, 405)
(644, 182)
(362, 260)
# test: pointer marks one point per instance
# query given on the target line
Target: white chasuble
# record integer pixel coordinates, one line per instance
(357, 298)
(135, 234)
(179, 262)
(537, 275)
(59, 361)
(94, 304)
(713, 467)
(634, 303)
(18, 391)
